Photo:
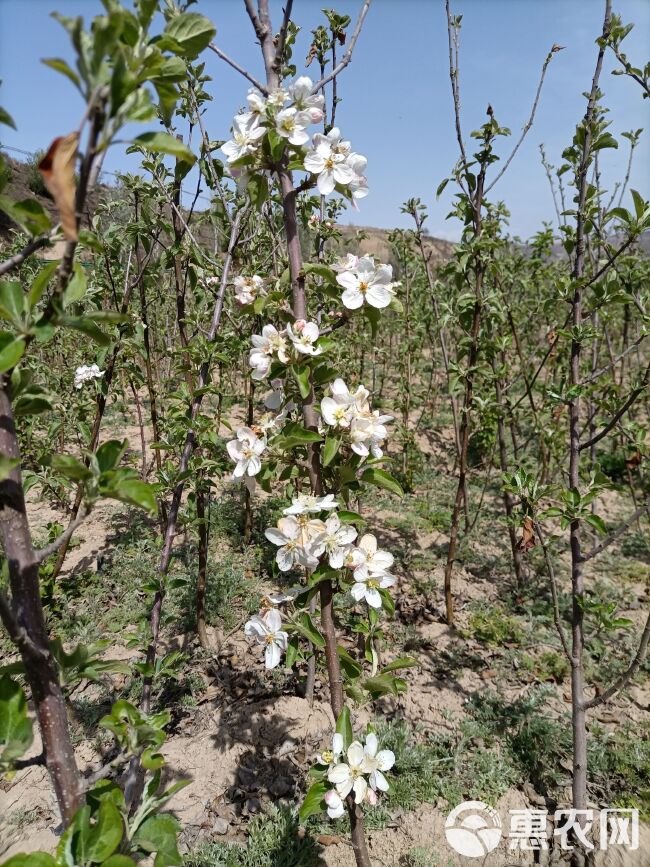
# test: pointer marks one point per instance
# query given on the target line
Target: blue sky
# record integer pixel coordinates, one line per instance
(396, 107)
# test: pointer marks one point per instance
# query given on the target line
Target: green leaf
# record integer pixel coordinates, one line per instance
(384, 684)
(320, 270)
(192, 32)
(7, 120)
(350, 666)
(86, 326)
(332, 445)
(108, 455)
(77, 287)
(158, 834)
(29, 214)
(61, 66)
(163, 143)
(134, 492)
(597, 523)
(12, 301)
(294, 434)
(373, 316)
(314, 800)
(441, 187)
(33, 859)
(70, 467)
(118, 861)
(104, 836)
(305, 626)
(16, 733)
(301, 375)
(40, 282)
(344, 727)
(402, 662)
(382, 479)
(11, 351)
(347, 517)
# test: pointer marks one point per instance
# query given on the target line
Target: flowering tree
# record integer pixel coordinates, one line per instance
(318, 433)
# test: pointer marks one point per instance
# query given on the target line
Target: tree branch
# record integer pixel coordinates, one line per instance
(620, 412)
(19, 257)
(43, 553)
(240, 69)
(608, 540)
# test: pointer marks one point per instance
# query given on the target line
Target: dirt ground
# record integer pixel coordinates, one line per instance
(237, 729)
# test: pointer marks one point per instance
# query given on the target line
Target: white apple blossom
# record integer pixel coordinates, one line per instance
(333, 141)
(358, 184)
(291, 124)
(349, 262)
(335, 805)
(277, 99)
(291, 552)
(338, 540)
(256, 104)
(341, 407)
(330, 167)
(303, 336)
(331, 757)
(245, 451)
(368, 433)
(369, 558)
(366, 283)
(300, 92)
(304, 503)
(247, 289)
(265, 345)
(377, 762)
(267, 631)
(275, 399)
(246, 135)
(86, 373)
(349, 776)
(367, 586)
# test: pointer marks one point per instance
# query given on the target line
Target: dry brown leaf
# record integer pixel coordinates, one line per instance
(57, 169)
(633, 461)
(528, 539)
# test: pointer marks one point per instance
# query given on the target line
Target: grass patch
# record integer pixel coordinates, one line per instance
(273, 841)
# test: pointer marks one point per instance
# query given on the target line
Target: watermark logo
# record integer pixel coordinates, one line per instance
(473, 829)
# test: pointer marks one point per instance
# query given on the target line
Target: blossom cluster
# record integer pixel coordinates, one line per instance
(302, 539)
(361, 772)
(350, 413)
(284, 346)
(288, 113)
(86, 373)
(247, 289)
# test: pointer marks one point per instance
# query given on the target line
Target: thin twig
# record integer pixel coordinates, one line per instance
(616, 533)
(554, 595)
(19, 257)
(43, 553)
(627, 675)
(619, 413)
(347, 57)
(258, 84)
(530, 120)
